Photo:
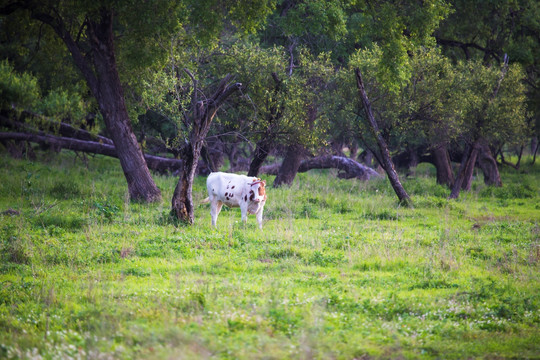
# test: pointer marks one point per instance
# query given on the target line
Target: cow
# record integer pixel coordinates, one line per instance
(233, 190)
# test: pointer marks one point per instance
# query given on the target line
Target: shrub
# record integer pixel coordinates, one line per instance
(21, 90)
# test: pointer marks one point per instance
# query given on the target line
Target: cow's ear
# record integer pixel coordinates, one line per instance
(264, 182)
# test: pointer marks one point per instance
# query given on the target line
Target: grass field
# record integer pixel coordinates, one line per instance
(339, 270)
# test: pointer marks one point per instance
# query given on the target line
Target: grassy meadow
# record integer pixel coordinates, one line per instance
(339, 271)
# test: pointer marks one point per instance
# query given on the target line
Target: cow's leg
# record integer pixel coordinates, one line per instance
(215, 208)
(244, 211)
(259, 216)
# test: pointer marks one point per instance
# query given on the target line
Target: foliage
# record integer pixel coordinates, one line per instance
(17, 90)
(486, 30)
(364, 278)
(443, 102)
(63, 105)
(499, 118)
(283, 105)
(339, 27)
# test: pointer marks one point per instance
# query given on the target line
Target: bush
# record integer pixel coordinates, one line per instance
(21, 90)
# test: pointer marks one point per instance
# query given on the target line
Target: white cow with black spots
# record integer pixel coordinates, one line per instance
(233, 190)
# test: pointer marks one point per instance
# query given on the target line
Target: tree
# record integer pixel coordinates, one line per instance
(386, 163)
(88, 32)
(494, 109)
(486, 31)
(315, 77)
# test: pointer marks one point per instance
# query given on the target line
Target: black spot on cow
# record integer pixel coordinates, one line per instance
(232, 187)
(251, 195)
(226, 194)
(245, 197)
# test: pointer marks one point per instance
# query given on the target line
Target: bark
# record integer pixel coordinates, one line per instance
(383, 147)
(353, 150)
(443, 166)
(487, 163)
(535, 152)
(289, 166)
(159, 164)
(469, 168)
(465, 170)
(266, 144)
(182, 200)
(262, 150)
(101, 74)
(295, 152)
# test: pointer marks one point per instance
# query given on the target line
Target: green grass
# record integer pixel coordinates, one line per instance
(339, 271)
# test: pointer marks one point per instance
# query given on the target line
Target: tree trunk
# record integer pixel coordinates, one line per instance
(110, 97)
(262, 150)
(464, 176)
(366, 157)
(385, 154)
(289, 166)
(353, 148)
(182, 200)
(443, 165)
(535, 145)
(348, 168)
(101, 74)
(487, 163)
(469, 169)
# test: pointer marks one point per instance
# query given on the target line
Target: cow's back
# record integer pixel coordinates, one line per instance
(218, 181)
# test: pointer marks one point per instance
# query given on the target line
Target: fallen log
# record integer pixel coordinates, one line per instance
(348, 168)
(63, 129)
(156, 163)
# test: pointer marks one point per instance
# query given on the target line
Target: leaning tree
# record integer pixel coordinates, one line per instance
(90, 32)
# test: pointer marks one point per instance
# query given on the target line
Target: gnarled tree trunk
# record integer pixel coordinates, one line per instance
(289, 167)
(465, 172)
(487, 163)
(443, 165)
(262, 150)
(182, 200)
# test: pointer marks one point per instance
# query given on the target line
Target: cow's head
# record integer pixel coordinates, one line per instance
(257, 192)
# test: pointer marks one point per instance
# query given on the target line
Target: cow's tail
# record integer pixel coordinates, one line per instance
(205, 201)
